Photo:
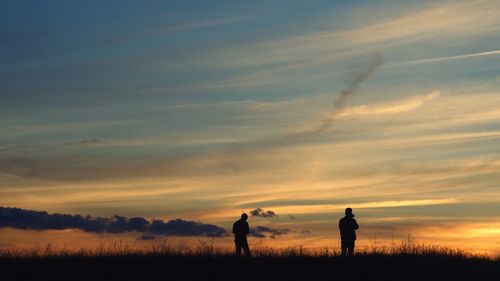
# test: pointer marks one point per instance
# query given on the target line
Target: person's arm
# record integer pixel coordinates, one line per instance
(340, 224)
(234, 226)
(356, 226)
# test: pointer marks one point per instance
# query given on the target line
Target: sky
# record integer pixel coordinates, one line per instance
(202, 110)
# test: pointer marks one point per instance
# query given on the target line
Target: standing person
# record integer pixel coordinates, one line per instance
(240, 231)
(348, 226)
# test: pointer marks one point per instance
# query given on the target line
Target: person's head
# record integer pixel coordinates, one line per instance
(348, 212)
(244, 216)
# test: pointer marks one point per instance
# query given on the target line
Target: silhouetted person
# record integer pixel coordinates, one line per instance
(240, 231)
(348, 226)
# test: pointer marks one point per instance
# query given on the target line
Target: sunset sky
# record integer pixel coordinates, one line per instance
(202, 110)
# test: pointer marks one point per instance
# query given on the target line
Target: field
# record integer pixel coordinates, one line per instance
(209, 262)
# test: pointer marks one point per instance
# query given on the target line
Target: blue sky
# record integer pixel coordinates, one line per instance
(204, 109)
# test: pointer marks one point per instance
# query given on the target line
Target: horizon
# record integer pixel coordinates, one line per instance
(285, 110)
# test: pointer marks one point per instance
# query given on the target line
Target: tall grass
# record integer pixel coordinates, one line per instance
(210, 249)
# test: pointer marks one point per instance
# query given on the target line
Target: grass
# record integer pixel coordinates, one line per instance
(207, 261)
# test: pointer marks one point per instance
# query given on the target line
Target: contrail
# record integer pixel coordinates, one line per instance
(325, 123)
(340, 102)
(431, 60)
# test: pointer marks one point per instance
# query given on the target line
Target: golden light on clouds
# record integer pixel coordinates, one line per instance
(395, 115)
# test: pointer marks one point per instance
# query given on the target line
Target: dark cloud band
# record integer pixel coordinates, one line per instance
(28, 219)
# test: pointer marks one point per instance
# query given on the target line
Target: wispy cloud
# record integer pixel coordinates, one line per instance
(457, 19)
(460, 111)
(328, 208)
(454, 19)
(299, 56)
(449, 58)
(82, 142)
(201, 24)
(310, 209)
(407, 105)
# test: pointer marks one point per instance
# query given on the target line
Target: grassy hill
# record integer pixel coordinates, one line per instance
(211, 263)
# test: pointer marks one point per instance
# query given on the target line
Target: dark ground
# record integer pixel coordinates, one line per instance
(369, 267)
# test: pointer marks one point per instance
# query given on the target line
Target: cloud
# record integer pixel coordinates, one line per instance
(262, 213)
(82, 142)
(297, 57)
(179, 227)
(58, 168)
(28, 219)
(262, 232)
(63, 127)
(201, 24)
(407, 105)
(402, 25)
(437, 21)
(251, 106)
(427, 127)
(326, 208)
(448, 58)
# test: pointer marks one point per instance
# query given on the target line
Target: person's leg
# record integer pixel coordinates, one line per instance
(247, 249)
(238, 248)
(350, 250)
(344, 249)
